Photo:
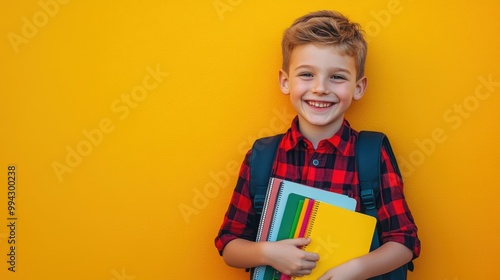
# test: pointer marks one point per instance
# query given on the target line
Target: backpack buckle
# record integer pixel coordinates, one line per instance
(259, 203)
(368, 199)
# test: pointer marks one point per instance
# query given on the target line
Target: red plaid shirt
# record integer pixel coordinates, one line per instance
(330, 167)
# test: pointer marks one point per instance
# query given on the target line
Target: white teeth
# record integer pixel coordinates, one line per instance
(319, 104)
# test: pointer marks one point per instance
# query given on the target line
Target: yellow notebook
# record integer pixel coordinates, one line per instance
(337, 235)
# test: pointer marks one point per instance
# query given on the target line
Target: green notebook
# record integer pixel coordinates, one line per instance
(290, 216)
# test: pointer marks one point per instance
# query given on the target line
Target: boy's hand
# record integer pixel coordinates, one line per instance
(288, 258)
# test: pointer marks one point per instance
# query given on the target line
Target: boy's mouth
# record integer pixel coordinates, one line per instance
(319, 104)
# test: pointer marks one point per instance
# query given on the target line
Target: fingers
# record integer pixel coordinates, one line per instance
(299, 242)
(314, 257)
(307, 263)
(305, 268)
(292, 260)
(302, 273)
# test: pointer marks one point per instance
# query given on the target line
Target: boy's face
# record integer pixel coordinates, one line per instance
(321, 83)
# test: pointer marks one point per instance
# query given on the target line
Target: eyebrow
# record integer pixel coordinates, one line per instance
(335, 69)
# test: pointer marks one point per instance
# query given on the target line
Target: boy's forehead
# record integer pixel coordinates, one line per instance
(320, 55)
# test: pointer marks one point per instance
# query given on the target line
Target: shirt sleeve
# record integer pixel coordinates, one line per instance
(396, 220)
(240, 220)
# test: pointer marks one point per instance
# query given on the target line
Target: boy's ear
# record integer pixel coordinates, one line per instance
(284, 82)
(360, 88)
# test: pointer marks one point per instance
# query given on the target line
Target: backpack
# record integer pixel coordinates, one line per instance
(368, 150)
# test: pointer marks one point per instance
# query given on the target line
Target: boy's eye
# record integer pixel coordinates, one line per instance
(338, 77)
(306, 75)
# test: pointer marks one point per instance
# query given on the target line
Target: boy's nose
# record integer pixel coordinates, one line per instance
(320, 87)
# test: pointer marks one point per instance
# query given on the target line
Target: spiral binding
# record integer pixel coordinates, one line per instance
(277, 206)
(312, 219)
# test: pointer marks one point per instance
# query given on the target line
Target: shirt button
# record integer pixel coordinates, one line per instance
(315, 162)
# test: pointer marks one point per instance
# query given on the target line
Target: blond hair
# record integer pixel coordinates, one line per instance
(326, 28)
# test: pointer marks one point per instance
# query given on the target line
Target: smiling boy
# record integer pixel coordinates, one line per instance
(322, 72)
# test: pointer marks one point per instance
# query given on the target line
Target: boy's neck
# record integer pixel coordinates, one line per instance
(315, 133)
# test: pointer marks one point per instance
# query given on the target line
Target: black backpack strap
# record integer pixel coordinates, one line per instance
(368, 150)
(261, 163)
(368, 164)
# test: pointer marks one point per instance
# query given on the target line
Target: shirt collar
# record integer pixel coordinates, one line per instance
(339, 141)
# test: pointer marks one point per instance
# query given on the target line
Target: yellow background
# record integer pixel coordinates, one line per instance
(152, 182)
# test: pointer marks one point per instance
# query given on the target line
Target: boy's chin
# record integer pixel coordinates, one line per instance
(321, 122)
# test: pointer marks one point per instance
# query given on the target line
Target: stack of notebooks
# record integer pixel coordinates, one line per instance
(337, 232)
